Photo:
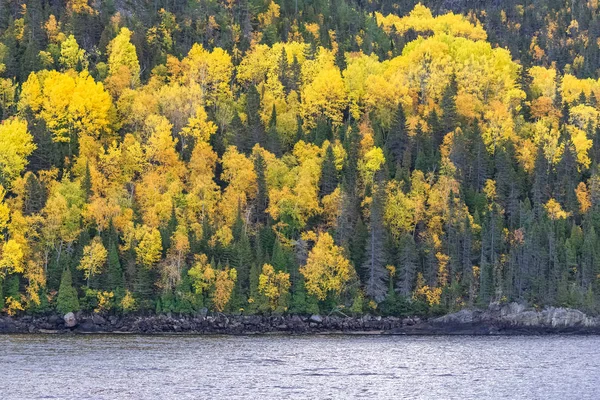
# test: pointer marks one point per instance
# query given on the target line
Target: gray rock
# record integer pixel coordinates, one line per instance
(70, 320)
(316, 318)
(98, 320)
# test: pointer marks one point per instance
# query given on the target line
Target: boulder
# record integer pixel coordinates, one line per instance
(98, 320)
(316, 318)
(70, 320)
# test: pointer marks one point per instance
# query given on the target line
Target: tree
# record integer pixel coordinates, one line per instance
(67, 301)
(375, 262)
(326, 270)
(329, 173)
(93, 260)
(123, 64)
(275, 287)
(16, 144)
(71, 56)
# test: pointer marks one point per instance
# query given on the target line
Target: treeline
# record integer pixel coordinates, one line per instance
(269, 158)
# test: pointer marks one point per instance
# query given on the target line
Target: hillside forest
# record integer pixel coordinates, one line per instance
(305, 156)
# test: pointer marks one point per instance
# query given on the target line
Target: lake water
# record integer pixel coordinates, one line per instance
(298, 367)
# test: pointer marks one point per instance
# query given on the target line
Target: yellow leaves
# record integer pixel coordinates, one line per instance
(442, 260)
(583, 116)
(199, 127)
(572, 87)
(543, 82)
(326, 270)
(238, 171)
(149, 248)
(210, 70)
(332, 207)
(224, 284)
(11, 258)
(323, 90)
(294, 188)
(16, 144)
(80, 7)
(4, 211)
(490, 189)
(71, 56)
(370, 163)
(554, 210)
(13, 306)
(499, 127)
(273, 285)
(270, 16)
(52, 28)
(69, 105)
(219, 283)
(399, 213)
(202, 274)
(93, 259)
(583, 197)
(582, 145)
(161, 145)
(123, 64)
(421, 20)
(424, 292)
(128, 302)
(360, 68)
(105, 301)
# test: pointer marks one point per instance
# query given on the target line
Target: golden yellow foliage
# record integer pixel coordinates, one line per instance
(327, 270)
(554, 210)
(274, 285)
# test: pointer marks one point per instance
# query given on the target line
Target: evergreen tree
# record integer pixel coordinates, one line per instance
(374, 262)
(67, 301)
(329, 178)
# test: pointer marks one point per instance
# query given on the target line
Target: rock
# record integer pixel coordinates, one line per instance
(465, 316)
(88, 326)
(316, 318)
(98, 320)
(70, 320)
(54, 319)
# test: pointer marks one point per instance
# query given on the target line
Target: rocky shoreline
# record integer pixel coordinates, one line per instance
(511, 319)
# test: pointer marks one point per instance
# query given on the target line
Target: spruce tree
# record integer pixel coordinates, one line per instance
(67, 300)
(329, 178)
(374, 262)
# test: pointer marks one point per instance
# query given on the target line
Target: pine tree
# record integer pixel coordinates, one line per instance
(450, 115)
(329, 178)
(273, 141)
(67, 301)
(255, 127)
(374, 263)
(34, 196)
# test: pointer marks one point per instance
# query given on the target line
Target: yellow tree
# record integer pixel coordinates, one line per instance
(16, 144)
(238, 171)
(93, 260)
(71, 55)
(123, 64)
(323, 90)
(275, 286)
(224, 284)
(327, 270)
(149, 248)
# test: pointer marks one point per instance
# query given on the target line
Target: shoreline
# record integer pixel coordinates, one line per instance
(511, 319)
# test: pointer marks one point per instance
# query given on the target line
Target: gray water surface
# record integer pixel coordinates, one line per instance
(298, 367)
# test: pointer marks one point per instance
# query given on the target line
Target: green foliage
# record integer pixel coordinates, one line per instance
(67, 300)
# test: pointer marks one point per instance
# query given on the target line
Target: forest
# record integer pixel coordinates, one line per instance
(307, 156)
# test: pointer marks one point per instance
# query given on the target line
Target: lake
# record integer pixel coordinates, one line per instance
(298, 367)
